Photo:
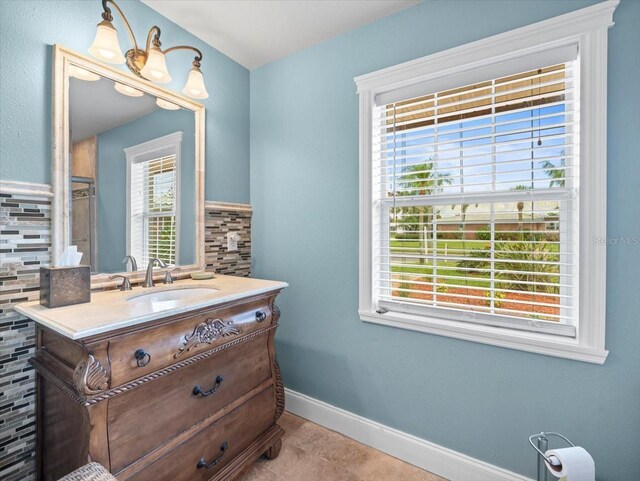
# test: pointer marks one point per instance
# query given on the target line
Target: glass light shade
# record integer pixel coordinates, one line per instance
(82, 74)
(106, 46)
(126, 90)
(167, 105)
(195, 87)
(155, 69)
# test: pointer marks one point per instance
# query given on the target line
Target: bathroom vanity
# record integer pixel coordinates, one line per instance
(166, 383)
(171, 383)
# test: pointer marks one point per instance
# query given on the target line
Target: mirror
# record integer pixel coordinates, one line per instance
(128, 163)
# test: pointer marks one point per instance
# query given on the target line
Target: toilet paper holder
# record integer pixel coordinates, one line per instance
(541, 445)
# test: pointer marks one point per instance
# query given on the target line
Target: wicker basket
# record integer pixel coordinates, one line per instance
(89, 472)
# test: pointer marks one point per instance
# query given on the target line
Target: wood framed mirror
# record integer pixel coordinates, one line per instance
(127, 170)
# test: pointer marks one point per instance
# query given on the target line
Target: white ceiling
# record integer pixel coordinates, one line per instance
(95, 107)
(256, 32)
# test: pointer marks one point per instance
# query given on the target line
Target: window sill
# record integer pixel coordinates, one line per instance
(546, 344)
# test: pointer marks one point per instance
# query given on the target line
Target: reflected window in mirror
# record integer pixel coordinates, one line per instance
(128, 170)
(133, 176)
(153, 172)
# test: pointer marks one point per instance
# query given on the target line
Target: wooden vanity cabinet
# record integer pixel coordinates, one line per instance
(194, 396)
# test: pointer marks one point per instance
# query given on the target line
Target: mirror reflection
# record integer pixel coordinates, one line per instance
(132, 176)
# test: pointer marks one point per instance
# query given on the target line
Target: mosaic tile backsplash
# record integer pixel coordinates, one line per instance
(25, 245)
(220, 219)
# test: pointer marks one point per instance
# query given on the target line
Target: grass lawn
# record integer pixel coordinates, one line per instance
(471, 288)
(444, 267)
(480, 280)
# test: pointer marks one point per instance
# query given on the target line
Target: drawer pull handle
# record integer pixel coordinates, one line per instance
(198, 390)
(142, 357)
(203, 464)
(261, 316)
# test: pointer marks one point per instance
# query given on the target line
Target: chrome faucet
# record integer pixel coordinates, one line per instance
(134, 264)
(148, 279)
(126, 283)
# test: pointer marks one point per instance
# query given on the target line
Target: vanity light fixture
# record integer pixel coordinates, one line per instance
(82, 74)
(155, 68)
(195, 85)
(149, 63)
(167, 105)
(126, 90)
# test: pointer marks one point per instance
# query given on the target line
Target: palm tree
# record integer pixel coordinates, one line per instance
(520, 205)
(463, 215)
(555, 173)
(422, 180)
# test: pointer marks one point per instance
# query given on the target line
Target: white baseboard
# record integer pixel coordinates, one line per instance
(437, 459)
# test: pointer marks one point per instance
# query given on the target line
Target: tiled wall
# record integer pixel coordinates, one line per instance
(25, 244)
(221, 218)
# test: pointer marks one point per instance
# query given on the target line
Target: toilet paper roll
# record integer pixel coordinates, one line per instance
(577, 464)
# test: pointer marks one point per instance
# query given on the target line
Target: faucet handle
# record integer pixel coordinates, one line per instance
(126, 283)
(168, 278)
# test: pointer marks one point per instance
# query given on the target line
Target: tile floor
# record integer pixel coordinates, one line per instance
(312, 453)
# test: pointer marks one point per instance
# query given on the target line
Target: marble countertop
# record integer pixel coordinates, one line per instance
(111, 310)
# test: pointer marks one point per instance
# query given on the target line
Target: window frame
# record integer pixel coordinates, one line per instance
(170, 144)
(588, 29)
(564, 195)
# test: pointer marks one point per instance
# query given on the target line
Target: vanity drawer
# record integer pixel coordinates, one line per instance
(183, 337)
(238, 429)
(148, 416)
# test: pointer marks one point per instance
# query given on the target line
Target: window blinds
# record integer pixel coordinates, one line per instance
(475, 201)
(153, 209)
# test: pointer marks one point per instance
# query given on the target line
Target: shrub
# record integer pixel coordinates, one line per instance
(483, 234)
(404, 285)
(407, 235)
(479, 260)
(498, 295)
(516, 258)
(449, 235)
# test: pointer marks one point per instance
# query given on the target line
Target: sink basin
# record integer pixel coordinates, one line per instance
(173, 295)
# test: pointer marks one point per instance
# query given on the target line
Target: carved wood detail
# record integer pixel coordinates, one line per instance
(274, 449)
(275, 310)
(42, 369)
(207, 332)
(92, 403)
(90, 377)
(279, 386)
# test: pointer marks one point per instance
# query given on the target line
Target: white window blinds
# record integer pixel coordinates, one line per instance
(475, 198)
(153, 209)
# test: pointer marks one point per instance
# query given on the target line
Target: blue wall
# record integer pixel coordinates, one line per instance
(27, 31)
(481, 400)
(112, 183)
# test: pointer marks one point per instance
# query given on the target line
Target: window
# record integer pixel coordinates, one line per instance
(153, 183)
(482, 189)
(466, 182)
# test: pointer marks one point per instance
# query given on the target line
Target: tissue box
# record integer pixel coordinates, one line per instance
(64, 286)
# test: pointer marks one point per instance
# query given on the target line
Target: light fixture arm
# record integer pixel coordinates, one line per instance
(156, 38)
(106, 15)
(197, 59)
(153, 37)
(149, 63)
